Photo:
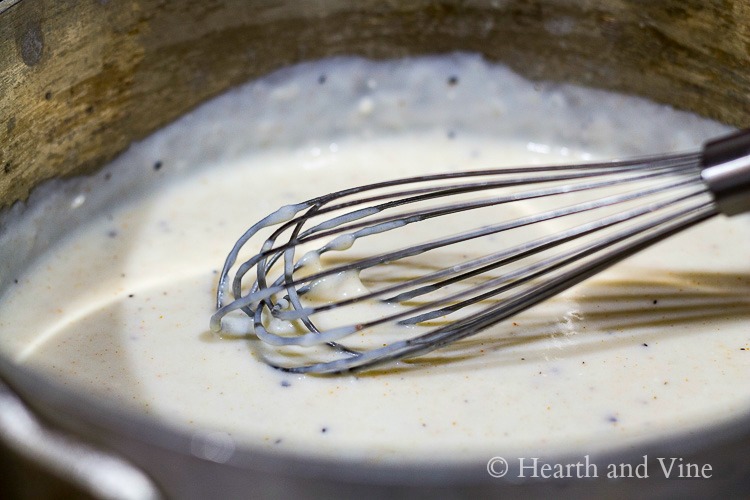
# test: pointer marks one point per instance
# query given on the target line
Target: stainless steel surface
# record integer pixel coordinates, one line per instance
(101, 474)
(726, 171)
(82, 79)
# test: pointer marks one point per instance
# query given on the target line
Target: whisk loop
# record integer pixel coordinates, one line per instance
(383, 272)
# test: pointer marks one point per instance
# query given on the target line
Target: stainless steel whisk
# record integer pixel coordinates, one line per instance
(549, 228)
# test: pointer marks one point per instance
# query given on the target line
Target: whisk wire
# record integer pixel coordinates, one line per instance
(458, 330)
(381, 224)
(626, 207)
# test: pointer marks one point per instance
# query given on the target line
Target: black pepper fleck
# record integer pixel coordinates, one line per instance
(48, 95)
(612, 419)
(107, 176)
(89, 109)
(130, 295)
(322, 79)
(112, 233)
(15, 281)
(285, 383)
(7, 167)
(278, 441)
(452, 80)
(324, 430)
(157, 165)
(645, 344)
(656, 301)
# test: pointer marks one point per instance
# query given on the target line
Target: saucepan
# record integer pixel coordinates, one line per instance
(80, 80)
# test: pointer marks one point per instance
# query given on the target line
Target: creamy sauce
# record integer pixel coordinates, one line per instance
(117, 303)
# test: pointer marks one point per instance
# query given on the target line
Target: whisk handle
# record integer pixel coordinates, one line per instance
(726, 171)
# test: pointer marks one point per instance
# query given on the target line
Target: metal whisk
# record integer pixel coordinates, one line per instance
(384, 272)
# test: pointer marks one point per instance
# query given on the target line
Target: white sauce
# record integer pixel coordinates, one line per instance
(119, 306)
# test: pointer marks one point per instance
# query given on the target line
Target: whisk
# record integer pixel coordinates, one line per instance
(381, 273)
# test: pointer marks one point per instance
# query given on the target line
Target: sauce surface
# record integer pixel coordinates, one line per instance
(117, 301)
